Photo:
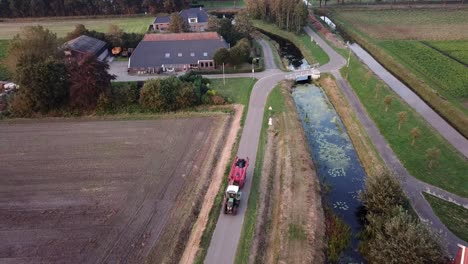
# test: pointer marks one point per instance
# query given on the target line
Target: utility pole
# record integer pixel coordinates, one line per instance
(224, 77)
(349, 57)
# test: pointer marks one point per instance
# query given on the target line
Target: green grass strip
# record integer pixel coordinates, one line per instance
(454, 217)
(451, 168)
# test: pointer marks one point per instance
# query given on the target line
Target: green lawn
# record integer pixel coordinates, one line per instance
(446, 75)
(236, 90)
(276, 101)
(450, 174)
(222, 4)
(454, 217)
(457, 49)
(138, 24)
(392, 37)
(409, 24)
(311, 51)
(3, 52)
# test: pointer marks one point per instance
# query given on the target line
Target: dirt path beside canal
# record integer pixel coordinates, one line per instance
(290, 222)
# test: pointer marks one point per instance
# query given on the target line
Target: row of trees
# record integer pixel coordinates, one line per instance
(160, 95)
(48, 82)
(41, 8)
(290, 15)
(391, 233)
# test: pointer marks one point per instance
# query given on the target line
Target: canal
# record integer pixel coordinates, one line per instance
(338, 166)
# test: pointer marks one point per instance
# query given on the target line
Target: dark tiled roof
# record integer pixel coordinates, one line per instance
(86, 44)
(150, 54)
(199, 13)
(162, 19)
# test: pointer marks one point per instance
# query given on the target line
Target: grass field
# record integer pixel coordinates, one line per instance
(311, 51)
(409, 24)
(222, 4)
(3, 50)
(138, 24)
(457, 49)
(451, 165)
(425, 48)
(453, 216)
(448, 76)
(236, 90)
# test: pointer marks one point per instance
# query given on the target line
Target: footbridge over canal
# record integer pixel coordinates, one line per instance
(304, 75)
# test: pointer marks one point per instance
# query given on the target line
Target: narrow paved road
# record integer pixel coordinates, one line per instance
(438, 123)
(412, 186)
(228, 228)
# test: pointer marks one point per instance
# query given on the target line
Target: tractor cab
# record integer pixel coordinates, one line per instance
(232, 199)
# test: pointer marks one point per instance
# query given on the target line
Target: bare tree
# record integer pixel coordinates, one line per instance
(378, 87)
(415, 134)
(388, 101)
(402, 117)
(368, 76)
(433, 155)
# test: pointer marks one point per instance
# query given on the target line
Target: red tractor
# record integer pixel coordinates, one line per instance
(237, 177)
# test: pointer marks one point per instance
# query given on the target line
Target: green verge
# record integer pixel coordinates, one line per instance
(276, 101)
(222, 4)
(311, 51)
(62, 26)
(445, 108)
(450, 174)
(238, 90)
(4, 74)
(454, 217)
(446, 75)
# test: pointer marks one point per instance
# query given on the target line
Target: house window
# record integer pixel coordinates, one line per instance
(211, 64)
(192, 54)
(205, 54)
(179, 54)
(192, 20)
(168, 55)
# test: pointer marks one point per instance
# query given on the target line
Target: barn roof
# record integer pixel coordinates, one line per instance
(187, 48)
(86, 44)
(181, 36)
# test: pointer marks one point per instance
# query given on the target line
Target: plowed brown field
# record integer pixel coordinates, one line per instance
(102, 191)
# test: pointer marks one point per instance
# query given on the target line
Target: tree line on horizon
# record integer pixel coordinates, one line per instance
(45, 8)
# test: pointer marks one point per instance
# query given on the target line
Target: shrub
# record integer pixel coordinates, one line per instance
(403, 239)
(382, 193)
(162, 95)
(391, 234)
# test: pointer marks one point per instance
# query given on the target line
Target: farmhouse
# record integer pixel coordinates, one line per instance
(196, 18)
(175, 52)
(83, 45)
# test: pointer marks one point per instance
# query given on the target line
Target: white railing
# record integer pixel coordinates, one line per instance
(313, 73)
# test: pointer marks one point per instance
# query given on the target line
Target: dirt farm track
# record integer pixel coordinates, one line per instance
(102, 191)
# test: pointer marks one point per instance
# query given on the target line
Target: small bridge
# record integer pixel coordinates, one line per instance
(304, 75)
